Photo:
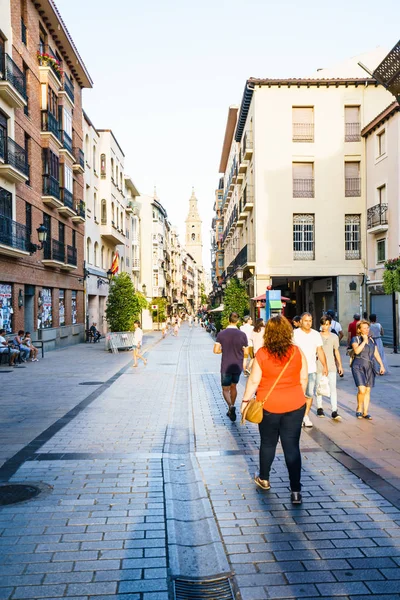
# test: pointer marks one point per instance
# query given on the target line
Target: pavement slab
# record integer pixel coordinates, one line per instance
(149, 481)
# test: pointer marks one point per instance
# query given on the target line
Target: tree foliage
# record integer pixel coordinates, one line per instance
(124, 305)
(162, 309)
(391, 276)
(236, 299)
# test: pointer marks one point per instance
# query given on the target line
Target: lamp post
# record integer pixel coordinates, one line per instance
(239, 273)
(42, 237)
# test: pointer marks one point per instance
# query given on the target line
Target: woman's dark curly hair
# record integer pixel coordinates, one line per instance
(278, 336)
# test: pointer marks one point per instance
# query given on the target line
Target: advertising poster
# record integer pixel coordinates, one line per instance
(61, 307)
(6, 310)
(46, 316)
(73, 309)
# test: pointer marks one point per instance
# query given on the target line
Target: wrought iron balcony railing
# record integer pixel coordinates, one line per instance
(352, 186)
(377, 215)
(54, 250)
(80, 209)
(67, 197)
(352, 132)
(12, 73)
(68, 87)
(13, 154)
(51, 186)
(66, 141)
(303, 132)
(50, 123)
(71, 256)
(14, 235)
(303, 188)
(79, 156)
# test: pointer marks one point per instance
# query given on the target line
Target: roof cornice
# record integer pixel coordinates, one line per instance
(381, 118)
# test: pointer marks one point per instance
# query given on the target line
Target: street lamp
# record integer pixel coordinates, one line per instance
(239, 273)
(109, 275)
(42, 237)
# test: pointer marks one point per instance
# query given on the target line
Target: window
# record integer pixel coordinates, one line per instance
(155, 279)
(116, 175)
(102, 264)
(28, 218)
(61, 232)
(61, 307)
(95, 205)
(27, 145)
(103, 165)
(381, 143)
(380, 251)
(303, 237)
(112, 169)
(87, 148)
(352, 237)
(73, 238)
(52, 102)
(382, 195)
(303, 180)
(74, 312)
(103, 212)
(68, 179)
(88, 250)
(112, 214)
(303, 123)
(26, 84)
(67, 121)
(352, 127)
(96, 254)
(94, 159)
(352, 179)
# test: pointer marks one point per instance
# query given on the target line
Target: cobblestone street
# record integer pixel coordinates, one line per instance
(146, 480)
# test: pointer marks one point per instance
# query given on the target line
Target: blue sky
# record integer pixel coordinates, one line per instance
(165, 74)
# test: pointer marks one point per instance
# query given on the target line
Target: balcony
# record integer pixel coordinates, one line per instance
(80, 210)
(303, 188)
(51, 191)
(248, 145)
(135, 264)
(50, 127)
(14, 166)
(15, 239)
(66, 145)
(111, 234)
(79, 160)
(352, 132)
(352, 186)
(12, 84)
(244, 258)
(72, 262)
(68, 88)
(303, 132)
(50, 68)
(54, 253)
(67, 207)
(377, 218)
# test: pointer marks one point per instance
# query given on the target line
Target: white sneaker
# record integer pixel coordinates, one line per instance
(307, 421)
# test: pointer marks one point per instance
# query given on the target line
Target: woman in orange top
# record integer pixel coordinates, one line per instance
(285, 406)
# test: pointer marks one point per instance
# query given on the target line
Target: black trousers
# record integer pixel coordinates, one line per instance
(287, 427)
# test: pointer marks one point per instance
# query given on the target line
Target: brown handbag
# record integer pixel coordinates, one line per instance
(253, 411)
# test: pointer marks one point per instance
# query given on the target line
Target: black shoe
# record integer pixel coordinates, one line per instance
(320, 412)
(232, 413)
(335, 416)
(296, 498)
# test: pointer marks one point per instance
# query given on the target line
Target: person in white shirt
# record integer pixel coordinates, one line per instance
(310, 343)
(247, 328)
(137, 343)
(4, 347)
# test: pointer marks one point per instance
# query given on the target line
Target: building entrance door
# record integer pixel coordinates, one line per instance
(29, 304)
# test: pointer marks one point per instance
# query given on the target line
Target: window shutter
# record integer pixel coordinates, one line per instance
(303, 114)
(352, 114)
(302, 170)
(352, 170)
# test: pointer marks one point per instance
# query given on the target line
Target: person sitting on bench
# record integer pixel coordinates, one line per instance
(95, 333)
(5, 347)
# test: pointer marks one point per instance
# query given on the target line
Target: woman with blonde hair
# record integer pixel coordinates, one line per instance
(279, 379)
(365, 353)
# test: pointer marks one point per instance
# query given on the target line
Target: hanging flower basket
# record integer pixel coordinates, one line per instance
(47, 60)
(391, 276)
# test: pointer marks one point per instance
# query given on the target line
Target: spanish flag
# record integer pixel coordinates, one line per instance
(115, 264)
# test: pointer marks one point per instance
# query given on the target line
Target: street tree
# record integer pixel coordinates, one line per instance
(161, 304)
(236, 299)
(124, 305)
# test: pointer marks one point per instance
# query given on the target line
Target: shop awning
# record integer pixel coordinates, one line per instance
(219, 308)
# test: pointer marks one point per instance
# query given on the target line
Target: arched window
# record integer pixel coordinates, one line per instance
(95, 205)
(120, 176)
(96, 254)
(193, 236)
(103, 165)
(112, 214)
(88, 250)
(112, 169)
(94, 159)
(116, 175)
(103, 212)
(87, 149)
(102, 258)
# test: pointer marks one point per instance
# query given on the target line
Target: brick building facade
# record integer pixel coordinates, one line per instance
(41, 175)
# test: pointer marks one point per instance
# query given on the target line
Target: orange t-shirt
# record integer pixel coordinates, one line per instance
(288, 394)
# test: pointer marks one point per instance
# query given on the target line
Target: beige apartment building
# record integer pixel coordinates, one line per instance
(382, 148)
(294, 200)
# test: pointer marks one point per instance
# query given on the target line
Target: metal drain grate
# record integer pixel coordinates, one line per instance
(92, 383)
(210, 589)
(1, 371)
(13, 493)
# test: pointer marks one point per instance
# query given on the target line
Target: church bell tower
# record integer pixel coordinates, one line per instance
(193, 242)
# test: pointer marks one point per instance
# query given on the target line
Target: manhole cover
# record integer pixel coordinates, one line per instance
(13, 493)
(92, 383)
(211, 589)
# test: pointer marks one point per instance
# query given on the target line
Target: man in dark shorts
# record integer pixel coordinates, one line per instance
(232, 344)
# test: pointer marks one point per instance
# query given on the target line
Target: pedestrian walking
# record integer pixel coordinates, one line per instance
(364, 352)
(232, 344)
(163, 329)
(176, 328)
(279, 379)
(296, 321)
(248, 328)
(190, 321)
(334, 363)
(137, 344)
(310, 342)
(336, 327)
(258, 336)
(376, 331)
(352, 329)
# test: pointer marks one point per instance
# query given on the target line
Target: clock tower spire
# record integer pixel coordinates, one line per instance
(193, 242)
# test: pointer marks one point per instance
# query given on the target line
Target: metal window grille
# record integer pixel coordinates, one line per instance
(303, 237)
(352, 233)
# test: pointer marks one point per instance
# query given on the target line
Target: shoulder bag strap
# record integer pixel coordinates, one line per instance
(279, 376)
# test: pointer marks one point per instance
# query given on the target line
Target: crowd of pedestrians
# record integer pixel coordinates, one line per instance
(20, 349)
(290, 364)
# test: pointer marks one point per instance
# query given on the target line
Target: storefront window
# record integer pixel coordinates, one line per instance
(73, 309)
(61, 307)
(6, 310)
(45, 316)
